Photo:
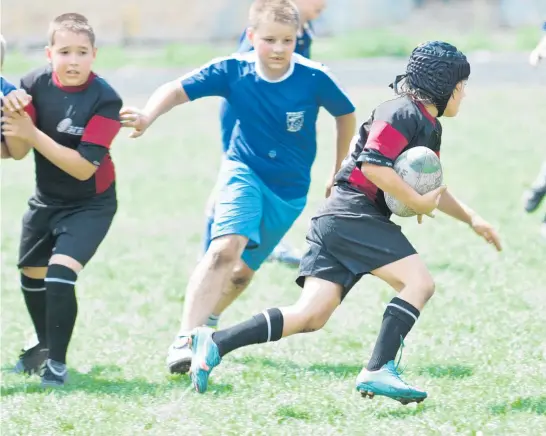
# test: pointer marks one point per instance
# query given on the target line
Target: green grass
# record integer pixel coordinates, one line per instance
(354, 45)
(478, 347)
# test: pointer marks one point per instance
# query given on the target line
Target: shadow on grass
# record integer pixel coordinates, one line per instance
(405, 412)
(446, 371)
(530, 404)
(341, 370)
(107, 380)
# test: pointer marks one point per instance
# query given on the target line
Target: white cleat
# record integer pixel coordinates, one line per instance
(179, 356)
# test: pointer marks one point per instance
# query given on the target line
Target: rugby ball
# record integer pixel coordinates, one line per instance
(420, 168)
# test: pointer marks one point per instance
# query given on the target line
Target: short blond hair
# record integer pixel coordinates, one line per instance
(73, 22)
(278, 11)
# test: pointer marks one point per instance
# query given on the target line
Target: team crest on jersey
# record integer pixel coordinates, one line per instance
(294, 121)
(65, 125)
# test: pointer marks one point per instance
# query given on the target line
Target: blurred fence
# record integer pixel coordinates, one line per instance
(24, 22)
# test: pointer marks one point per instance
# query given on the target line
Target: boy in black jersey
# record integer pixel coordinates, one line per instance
(352, 235)
(70, 123)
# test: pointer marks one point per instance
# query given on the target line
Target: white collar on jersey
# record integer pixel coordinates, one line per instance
(261, 75)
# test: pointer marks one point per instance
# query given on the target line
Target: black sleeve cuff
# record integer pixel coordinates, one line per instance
(92, 152)
(373, 157)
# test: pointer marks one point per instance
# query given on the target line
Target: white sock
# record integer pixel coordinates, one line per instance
(212, 322)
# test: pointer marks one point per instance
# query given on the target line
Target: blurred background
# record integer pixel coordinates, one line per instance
(183, 32)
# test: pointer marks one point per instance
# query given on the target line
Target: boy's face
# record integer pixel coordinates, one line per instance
(310, 9)
(454, 102)
(274, 43)
(71, 56)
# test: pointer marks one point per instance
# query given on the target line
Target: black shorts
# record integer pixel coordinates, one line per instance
(75, 230)
(349, 238)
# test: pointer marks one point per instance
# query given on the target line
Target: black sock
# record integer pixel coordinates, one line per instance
(398, 320)
(35, 299)
(62, 309)
(264, 327)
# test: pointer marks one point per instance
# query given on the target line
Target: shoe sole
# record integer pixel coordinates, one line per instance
(20, 367)
(181, 366)
(403, 401)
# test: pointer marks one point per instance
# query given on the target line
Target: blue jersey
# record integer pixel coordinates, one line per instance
(7, 87)
(275, 134)
(303, 43)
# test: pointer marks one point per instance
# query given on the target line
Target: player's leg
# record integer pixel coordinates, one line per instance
(410, 277)
(325, 283)
(536, 193)
(78, 234)
(241, 277)
(277, 218)
(316, 304)
(34, 252)
(236, 224)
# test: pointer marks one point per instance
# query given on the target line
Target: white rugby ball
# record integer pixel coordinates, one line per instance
(420, 168)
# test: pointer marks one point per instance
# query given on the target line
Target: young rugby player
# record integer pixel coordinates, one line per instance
(70, 124)
(275, 95)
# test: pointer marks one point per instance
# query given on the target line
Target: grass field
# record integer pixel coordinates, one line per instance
(478, 347)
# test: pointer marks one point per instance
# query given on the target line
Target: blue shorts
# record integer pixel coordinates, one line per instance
(245, 206)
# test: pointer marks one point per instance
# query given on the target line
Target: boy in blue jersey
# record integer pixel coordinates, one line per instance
(263, 184)
(309, 10)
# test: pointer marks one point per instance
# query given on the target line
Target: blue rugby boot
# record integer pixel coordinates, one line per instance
(205, 357)
(386, 381)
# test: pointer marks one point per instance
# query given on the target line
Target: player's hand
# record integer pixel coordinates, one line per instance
(329, 185)
(134, 118)
(18, 124)
(486, 231)
(428, 202)
(16, 100)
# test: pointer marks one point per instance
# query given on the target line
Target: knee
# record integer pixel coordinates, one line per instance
(224, 251)
(37, 273)
(425, 286)
(313, 319)
(241, 278)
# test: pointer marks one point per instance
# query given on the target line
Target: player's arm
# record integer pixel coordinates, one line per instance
(209, 80)
(68, 160)
(15, 101)
(16, 148)
(81, 163)
(386, 139)
(165, 98)
(455, 208)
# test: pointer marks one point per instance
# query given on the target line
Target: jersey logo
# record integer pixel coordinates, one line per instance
(65, 125)
(294, 121)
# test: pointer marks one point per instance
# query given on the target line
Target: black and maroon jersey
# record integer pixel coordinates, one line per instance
(84, 118)
(394, 127)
